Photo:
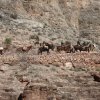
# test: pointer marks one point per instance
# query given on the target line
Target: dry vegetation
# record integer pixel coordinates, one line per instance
(56, 76)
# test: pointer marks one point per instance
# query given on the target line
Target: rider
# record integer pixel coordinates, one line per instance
(78, 43)
(62, 43)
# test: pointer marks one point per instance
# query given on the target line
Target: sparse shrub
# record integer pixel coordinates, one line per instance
(84, 34)
(14, 16)
(36, 37)
(49, 35)
(53, 69)
(8, 41)
(31, 37)
(50, 98)
(96, 8)
(64, 96)
(81, 22)
(80, 69)
(53, 39)
(41, 14)
(39, 33)
(0, 16)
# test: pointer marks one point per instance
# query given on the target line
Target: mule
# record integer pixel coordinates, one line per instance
(50, 45)
(60, 48)
(82, 48)
(66, 48)
(43, 49)
(77, 47)
(86, 48)
(96, 77)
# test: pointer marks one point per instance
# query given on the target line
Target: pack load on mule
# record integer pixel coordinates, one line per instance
(1, 50)
(50, 45)
(46, 47)
(67, 47)
(84, 46)
(43, 48)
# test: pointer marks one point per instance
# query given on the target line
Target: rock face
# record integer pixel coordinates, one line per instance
(76, 81)
(39, 92)
(89, 20)
(63, 86)
(49, 77)
(53, 19)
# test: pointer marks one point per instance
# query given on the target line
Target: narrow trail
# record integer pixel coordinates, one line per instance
(83, 59)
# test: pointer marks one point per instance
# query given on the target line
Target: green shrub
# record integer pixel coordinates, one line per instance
(8, 41)
(31, 37)
(14, 16)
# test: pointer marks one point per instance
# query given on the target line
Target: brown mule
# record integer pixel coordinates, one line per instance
(43, 49)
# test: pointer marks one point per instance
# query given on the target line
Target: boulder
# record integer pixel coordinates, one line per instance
(68, 65)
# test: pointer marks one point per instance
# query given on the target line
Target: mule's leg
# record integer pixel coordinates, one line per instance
(88, 50)
(58, 51)
(1, 52)
(48, 51)
(73, 50)
(39, 52)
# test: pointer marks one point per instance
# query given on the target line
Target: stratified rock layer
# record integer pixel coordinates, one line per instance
(55, 76)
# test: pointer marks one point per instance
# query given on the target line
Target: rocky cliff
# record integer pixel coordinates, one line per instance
(55, 76)
(52, 19)
(89, 20)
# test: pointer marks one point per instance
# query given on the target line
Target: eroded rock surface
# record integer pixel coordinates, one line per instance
(55, 76)
(51, 82)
